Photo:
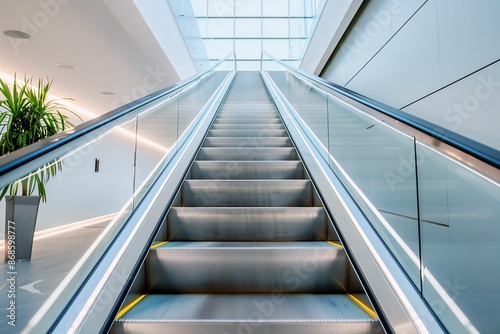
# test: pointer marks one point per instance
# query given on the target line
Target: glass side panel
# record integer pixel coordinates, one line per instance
(438, 216)
(90, 199)
(381, 162)
(313, 108)
(93, 191)
(460, 222)
(161, 129)
(157, 132)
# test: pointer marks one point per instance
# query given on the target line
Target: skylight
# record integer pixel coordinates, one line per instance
(281, 28)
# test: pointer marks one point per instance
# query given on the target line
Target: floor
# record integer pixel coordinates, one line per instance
(52, 258)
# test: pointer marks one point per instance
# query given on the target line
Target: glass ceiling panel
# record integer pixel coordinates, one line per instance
(275, 8)
(247, 8)
(248, 27)
(276, 28)
(220, 28)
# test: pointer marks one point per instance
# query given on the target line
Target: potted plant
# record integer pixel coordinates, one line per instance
(27, 115)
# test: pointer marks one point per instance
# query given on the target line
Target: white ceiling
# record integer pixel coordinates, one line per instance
(109, 41)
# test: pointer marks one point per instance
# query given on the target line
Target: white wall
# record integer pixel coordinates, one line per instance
(161, 21)
(435, 59)
(328, 32)
(79, 193)
(188, 26)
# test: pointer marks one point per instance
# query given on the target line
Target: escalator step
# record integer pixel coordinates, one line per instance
(250, 153)
(248, 224)
(261, 193)
(247, 267)
(276, 313)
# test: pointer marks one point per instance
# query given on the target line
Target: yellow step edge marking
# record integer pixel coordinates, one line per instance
(159, 244)
(365, 307)
(129, 306)
(335, 244)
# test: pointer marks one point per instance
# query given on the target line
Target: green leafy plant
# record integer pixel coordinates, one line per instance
(27, 115)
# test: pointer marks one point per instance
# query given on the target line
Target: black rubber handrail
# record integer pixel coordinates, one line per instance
(27, 154)
(469, 146)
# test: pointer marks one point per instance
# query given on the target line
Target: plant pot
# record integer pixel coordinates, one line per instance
(20, 221)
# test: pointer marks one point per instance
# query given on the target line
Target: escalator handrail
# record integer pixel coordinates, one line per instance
(24, 156)
(469, 146)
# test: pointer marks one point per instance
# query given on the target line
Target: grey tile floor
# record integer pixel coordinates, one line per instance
(52, 258)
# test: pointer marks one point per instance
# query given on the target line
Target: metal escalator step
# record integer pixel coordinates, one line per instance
(248, 107)
(249, 111)
(247, 114)
(246, 250)
(246, 224)
(274, 126)
(259, 193)
(239, 113)
(246, 267)
(247, 142)
(248, 154)
(246, 102)
(276, 313)
(248, 133)
(242, 112)
(249, 120)
(238, 170)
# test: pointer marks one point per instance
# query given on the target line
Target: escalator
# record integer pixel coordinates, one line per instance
(247, 246)
(252, 204)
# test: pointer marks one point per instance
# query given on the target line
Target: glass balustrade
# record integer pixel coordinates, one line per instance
(104, 174)
(438, 216)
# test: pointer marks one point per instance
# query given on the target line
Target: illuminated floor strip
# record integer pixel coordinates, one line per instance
(159, 244)
(129, 306)
(334, 244)
(54, 231)
(365, 307)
